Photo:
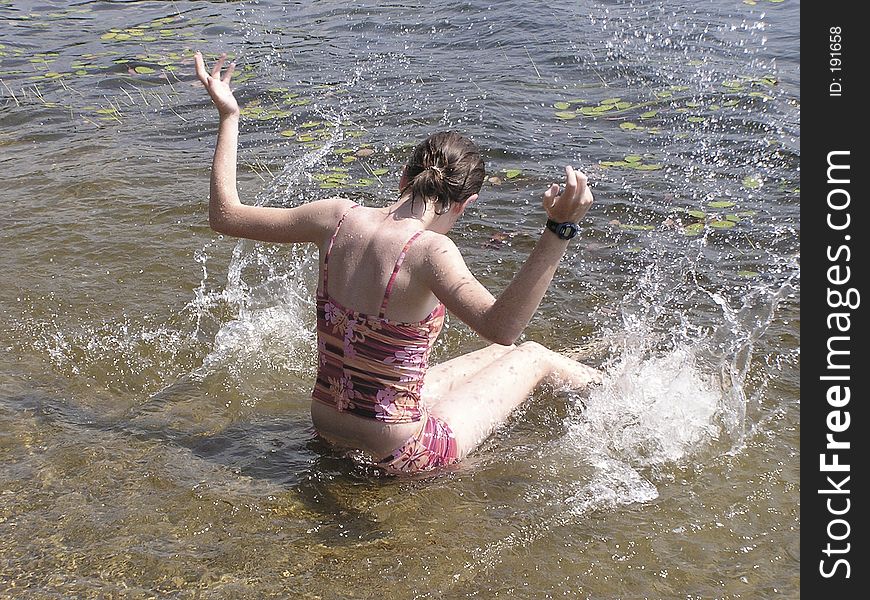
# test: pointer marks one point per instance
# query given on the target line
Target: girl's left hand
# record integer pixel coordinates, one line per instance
(218, 86)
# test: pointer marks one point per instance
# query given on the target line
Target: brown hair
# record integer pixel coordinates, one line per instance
(445, 167)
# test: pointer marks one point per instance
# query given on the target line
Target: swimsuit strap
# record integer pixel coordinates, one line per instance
(392, 280)
(329, 247)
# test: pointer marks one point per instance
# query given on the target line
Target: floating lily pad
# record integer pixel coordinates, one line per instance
(751, 183)
(747, 274)
(348, 159)
(614, 163)
(379, 172)
(288, 133)
(609, 101)
(512, 173)
(697, 214)
(633, 158)
(733, 218)
(144, 70)
(628, 126)
(566, 114)
(623, 105)
(561, 105)
(696, 119)
(720, 204)
(643, 167)
(746, 213)
(649, 114)
(693, 229)
(722, 224)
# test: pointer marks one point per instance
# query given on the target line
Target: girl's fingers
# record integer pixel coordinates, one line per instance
(550, 195)
(200, 68)
(229, 74)
(570, 183)
(216, 71)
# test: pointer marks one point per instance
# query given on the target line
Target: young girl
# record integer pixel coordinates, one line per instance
(387, 277)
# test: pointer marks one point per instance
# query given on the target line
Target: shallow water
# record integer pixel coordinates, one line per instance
(154, 431)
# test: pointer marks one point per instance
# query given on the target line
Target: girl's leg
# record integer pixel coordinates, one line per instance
(481, 400)
(444, 377)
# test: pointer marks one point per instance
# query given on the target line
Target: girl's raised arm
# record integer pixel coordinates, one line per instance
(310, 222)
(503, 319)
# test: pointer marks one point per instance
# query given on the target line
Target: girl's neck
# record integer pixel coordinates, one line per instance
(424, 213)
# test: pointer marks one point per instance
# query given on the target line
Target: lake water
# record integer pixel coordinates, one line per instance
(155, 439)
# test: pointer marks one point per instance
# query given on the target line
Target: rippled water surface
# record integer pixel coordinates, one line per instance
(155, 439)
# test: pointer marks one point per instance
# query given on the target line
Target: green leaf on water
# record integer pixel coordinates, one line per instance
(379, 172)
(628, 126)
(614, 163)
(697, 214)
(747, 274)
(693, 229)
(734, 218)
(608, 101)
(348, 159)
(288, 133)
(729, 103)
(566, 114)
(746, 213)
(512, 173)
(696, 119)
(561, 105)
(720, 204)
(144, 70)
(652, 167)
(751, 183)
(722, 224)
(649, 114)
(306, 138)
(633, 158)
(623, 105)
(589, 111)
(664, 94)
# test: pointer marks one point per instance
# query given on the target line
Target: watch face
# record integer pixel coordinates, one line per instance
(567, 231)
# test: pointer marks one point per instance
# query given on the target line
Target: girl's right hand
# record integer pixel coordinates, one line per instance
(571, 205)
(218, 87)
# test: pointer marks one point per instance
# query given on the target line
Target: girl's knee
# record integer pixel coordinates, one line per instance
(533, 348)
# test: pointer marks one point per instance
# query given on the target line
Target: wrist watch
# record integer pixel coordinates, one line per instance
(565, 231)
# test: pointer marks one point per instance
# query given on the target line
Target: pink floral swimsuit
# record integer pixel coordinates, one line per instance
(374, 367)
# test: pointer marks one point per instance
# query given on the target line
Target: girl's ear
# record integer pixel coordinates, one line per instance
(458, 207)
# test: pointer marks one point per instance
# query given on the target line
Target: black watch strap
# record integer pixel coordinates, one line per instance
(565, 231)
